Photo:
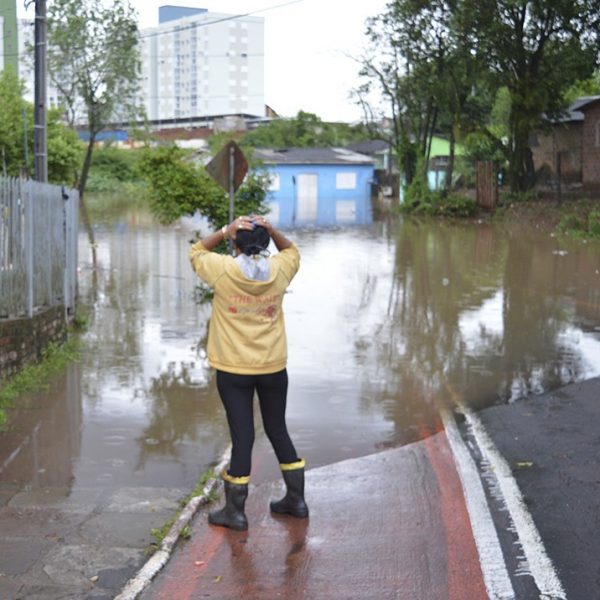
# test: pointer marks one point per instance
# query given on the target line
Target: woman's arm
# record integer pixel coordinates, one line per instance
(226, 232)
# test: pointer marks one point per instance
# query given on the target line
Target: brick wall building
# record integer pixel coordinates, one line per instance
(590, 155)
(574, 140)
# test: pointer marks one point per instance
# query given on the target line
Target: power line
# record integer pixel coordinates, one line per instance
(197, 25)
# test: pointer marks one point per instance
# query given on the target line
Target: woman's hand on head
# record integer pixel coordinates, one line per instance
(263, 222)
(239, 224)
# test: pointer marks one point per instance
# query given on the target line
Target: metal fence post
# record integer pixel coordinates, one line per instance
(25, 192)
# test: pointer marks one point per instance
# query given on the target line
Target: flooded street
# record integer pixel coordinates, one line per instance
(385, 325)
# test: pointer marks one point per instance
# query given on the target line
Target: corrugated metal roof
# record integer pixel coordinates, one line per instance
(575, 110)
(322, 156)
(370, 146)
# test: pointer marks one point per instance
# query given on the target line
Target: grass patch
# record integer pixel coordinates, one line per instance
(573, 218)
(583, 223)
(159, 533)
(36, 377)
(197, 491)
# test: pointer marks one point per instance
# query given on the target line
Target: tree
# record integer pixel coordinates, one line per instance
(441, 63)
(178, 188)
(420, 62)
(16, 136)
(93, 60)
(12, 146)
(537, 49)
(304, 130)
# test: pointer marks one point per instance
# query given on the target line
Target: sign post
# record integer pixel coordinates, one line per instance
(228, 168)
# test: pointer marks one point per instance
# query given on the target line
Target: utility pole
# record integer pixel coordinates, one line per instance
(40, 132)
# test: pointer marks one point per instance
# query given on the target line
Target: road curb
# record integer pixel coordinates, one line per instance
(136, 585)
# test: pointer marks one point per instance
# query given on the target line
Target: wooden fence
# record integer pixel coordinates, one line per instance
(38, 247)
(487, 184)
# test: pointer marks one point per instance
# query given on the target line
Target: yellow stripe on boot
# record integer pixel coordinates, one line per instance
(299, 464)
(236, 480)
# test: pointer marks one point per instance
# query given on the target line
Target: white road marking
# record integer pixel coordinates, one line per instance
(495, 574)
(540, 565)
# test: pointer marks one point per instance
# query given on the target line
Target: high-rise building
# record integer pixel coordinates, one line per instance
(26, 39)
(9, 43)
(199, 65)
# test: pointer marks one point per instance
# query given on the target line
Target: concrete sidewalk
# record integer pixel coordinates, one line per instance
(395, 525)
(391, 525)
(58, 546)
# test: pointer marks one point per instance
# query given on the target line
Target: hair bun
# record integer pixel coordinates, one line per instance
(252, 242)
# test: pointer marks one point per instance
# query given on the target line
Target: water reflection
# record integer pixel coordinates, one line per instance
(476, 309)
(382, 321)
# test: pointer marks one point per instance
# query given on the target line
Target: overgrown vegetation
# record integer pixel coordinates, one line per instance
(304, 130)
(116, 171)
(494, 69)
(65, 150)
(582, 223)
(178, 187)
(437, 203)
(36, 377)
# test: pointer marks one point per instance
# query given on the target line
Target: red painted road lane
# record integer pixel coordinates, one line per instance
(392, 525)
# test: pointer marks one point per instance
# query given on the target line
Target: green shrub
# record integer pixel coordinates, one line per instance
(115, 163)
(585, 223)
(418, 197)
(422, 201)
(178, 187)
(572, 222)
(593, 223)
(456, 205)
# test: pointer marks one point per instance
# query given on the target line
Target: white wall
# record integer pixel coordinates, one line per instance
(203, 66)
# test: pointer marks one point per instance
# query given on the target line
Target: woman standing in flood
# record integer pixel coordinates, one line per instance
(248, 348)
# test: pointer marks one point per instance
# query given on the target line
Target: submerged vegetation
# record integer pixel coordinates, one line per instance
(37, 377)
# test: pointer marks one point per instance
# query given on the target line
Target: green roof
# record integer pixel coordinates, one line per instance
(441, 147)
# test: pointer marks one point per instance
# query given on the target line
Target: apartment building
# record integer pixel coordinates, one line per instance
(8, 35)
(197, 65)
(26, 38)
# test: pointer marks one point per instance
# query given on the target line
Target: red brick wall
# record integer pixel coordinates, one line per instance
(23, 340)
(591, 151)
(566, 139)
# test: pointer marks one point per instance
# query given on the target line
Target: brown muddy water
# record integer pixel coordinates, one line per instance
(385, 324)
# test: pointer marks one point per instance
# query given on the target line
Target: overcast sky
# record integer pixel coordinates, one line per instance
(306, 48)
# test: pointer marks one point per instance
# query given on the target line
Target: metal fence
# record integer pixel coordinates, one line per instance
(38, 246)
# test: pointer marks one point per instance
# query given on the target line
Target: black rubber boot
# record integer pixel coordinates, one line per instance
(293, 502)
(232, 514)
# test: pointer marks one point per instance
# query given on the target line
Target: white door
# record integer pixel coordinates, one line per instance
(306, 197)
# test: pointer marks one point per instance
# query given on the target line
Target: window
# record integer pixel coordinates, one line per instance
(274, 182)
(345, 181)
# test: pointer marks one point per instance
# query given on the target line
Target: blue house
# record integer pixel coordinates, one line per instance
(318, 186)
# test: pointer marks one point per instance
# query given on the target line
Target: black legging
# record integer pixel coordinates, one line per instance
(237, 394)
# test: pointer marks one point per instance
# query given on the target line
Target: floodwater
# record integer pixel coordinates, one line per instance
(386, 324)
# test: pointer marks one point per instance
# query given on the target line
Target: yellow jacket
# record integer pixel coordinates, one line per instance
(247, 332)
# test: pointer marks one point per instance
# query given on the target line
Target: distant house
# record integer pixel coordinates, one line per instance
(387, 172)
(573, 142)
(380, 150)
(318, 186)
